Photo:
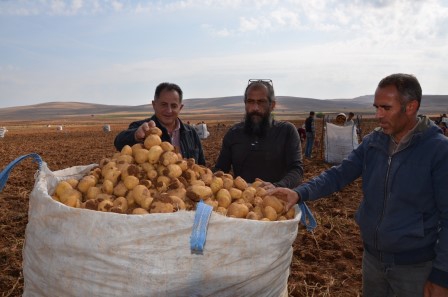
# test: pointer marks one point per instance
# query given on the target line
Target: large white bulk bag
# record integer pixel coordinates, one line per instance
(202, 131)
(79, 252)
(2, 132)
(339, 142)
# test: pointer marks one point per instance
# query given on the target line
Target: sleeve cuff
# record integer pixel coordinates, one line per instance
(439, 277)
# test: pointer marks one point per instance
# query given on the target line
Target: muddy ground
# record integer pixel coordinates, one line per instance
(326, 262)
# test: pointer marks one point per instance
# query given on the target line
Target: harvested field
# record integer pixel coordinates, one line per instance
(326, 262)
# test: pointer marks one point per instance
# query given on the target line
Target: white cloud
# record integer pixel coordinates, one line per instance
(77, 5)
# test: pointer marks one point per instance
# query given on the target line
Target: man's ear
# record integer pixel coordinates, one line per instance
(412, 106)
(273, 104)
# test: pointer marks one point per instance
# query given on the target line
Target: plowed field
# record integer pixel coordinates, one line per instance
(326, 262)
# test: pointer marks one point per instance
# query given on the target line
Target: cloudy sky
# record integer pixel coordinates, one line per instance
(117, 51)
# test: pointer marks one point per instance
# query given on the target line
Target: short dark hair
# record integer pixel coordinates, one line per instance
(407, 86)
(261, 83)
(351, 114)
(168, 87)
(311, 113)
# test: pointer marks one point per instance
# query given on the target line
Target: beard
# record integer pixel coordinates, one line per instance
(257, 124)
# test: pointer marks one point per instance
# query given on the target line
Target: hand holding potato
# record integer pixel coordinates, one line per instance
(267, 185)
(289, 196)
(140, 133)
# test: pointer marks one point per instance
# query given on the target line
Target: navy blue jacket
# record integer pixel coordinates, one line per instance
(190, 144)
(405, 204)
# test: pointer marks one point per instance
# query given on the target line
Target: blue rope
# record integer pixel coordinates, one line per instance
(4, 175)
(307, 218)
(199, 233)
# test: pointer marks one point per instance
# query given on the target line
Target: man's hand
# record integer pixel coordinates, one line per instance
(289, 196)
(433, 290)
(267, 185)
(140, 133)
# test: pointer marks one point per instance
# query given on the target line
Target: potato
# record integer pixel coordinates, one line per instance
(142, 196)
(227, 182)
(240, 183)
(61, 187)
(212, 203)
(124, 159)
(197, 192)
(86, 182)
(167, 147)
(223, 197)
(139, 211)
(92, 192)
(216, 184)
(136, 147)
(275, 203)
(141, 156)
(154, 130)
(73, 182)
(120, 189)
(130, 182)
(172, 171)
(154, 154)
(126, 150)
(152, 140)
(107, 187)
(71, 197)
(182, 164)
(235, 193)
(168, 157)
(112, 174)
(122, 203)
(291, 213)
(105, 205)
(270, 213)
(161, 207)
(221, 210)
(249, 194)
(252, 216)
(237, 210)
(91, 204)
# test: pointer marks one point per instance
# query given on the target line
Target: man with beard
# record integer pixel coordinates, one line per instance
(261, 147)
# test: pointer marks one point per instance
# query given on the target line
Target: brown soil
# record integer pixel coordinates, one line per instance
(326, 262)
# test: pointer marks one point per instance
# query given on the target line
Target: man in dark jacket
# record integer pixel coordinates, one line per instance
(403, 216)
(261, 147)
(167, 105)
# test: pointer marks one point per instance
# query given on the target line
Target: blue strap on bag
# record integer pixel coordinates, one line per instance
(307, 218)
(199, 233)
(4, 175)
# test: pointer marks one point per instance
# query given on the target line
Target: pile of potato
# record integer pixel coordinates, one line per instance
(153, 178)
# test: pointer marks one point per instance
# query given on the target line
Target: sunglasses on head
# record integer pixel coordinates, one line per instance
(269, 81)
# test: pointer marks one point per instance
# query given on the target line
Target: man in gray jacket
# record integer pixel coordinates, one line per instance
(403, 216)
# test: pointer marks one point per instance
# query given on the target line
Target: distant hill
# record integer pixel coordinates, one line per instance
(231, 106)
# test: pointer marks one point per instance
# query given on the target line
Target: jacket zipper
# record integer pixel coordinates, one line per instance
(384, 204)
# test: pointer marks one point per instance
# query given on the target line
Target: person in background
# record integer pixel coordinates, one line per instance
(310, 130)
(443, 126)
(340, 119)
(167, 105)
(261, 147)
(302, 133)
(350, 121)
(403, 216)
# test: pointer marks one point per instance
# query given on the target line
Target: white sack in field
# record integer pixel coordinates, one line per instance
(339, 142)
(80, 252)
(3, 131)
(202, 131)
